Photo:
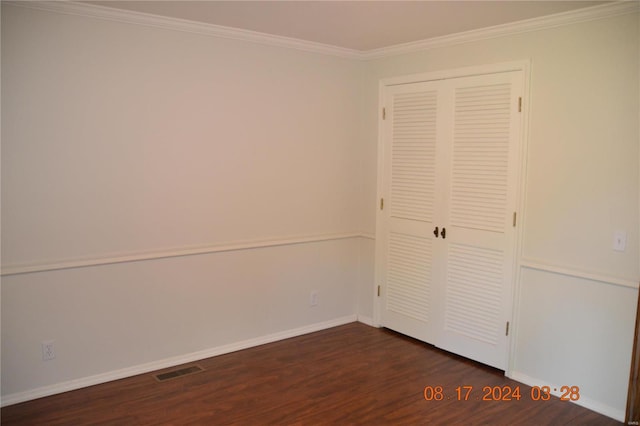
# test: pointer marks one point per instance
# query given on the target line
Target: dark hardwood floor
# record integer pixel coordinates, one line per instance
(353, 374)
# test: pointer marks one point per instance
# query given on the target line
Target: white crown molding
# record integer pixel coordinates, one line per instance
(176, 24)
(535, 24)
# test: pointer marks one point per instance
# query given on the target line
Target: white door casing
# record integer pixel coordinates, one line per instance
(453, 167)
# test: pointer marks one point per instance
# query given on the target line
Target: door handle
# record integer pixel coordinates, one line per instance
(435, 232)
(443, 233)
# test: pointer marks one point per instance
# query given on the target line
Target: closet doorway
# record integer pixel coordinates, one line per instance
(448, 214)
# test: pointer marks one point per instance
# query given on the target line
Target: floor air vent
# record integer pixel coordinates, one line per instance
(178, 373)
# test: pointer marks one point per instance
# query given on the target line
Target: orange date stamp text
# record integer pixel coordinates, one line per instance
(499, 393)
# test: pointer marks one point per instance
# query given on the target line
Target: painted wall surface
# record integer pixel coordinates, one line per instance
(366, 283)
(114, 317)
(121, 139)
(134, 139)
(581, 186)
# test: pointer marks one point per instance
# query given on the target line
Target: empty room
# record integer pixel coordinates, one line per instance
(320, 212)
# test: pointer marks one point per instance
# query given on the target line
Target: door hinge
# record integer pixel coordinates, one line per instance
(378, 291)
(520, 104)
(381, 203)
(384, 113)
(506, 332)
(514, 219)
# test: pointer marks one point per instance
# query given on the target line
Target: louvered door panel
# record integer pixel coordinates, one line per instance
(410, 140)
(474, 292)
(480, 239)
(480, 157)
(413, 155)
(409, 274)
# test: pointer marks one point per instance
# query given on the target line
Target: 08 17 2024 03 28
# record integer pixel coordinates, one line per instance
(498, 393)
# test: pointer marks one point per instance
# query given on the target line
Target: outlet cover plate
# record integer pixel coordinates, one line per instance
(619, 240)
(48, 350)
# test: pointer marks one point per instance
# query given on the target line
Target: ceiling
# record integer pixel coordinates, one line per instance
(358, 25)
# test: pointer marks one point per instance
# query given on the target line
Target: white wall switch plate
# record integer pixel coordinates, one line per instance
(619, 240)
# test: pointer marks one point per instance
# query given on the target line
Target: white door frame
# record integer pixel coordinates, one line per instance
(525, 67)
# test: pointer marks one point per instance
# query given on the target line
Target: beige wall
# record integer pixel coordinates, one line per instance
(121, 139)
(581, 185)
(134, 139)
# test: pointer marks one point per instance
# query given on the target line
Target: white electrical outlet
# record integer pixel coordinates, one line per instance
(619, 240)
(48, 350)
(313, 299)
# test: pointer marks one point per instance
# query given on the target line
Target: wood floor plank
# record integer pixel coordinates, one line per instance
(353, 374)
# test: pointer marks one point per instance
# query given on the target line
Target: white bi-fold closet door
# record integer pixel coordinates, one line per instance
(447, 221)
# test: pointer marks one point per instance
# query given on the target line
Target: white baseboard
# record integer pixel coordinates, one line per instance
(169, 362)
(366, 320)
(591, 404)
